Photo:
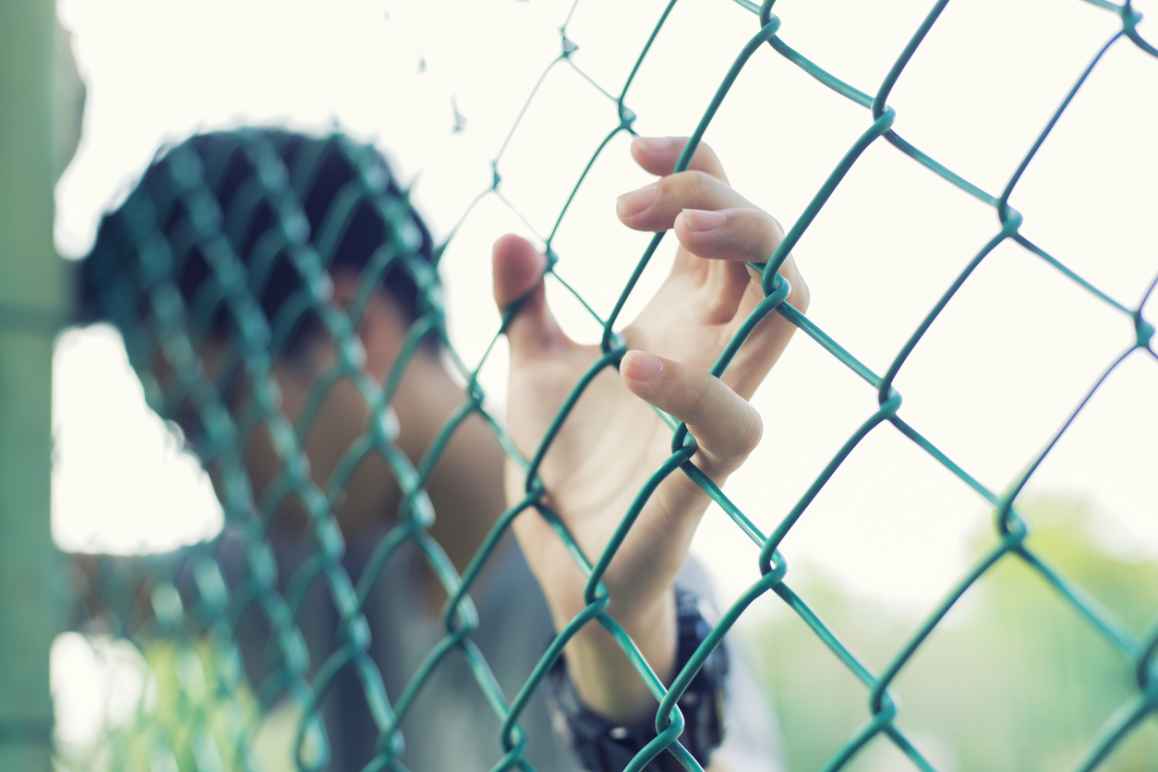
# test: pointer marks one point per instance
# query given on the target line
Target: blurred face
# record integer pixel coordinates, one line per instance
(335, 423)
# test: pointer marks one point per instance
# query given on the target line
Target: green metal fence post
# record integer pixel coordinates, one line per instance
(30, 299)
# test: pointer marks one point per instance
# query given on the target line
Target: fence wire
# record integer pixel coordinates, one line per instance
(220, 606)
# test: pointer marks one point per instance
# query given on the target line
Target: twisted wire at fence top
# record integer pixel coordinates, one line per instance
(260, 340)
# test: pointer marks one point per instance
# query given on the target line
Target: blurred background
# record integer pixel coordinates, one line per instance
(1013, 679)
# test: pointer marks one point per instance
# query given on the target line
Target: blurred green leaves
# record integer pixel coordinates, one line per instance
(1014, 679)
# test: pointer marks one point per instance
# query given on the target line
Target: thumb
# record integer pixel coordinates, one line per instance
(517, 273)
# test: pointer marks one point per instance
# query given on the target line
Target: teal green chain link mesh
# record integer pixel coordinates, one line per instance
(216, 743)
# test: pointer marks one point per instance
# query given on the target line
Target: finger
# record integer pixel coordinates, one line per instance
(746, 234)
(654, 207)
(770, 337)
(742, 235)
(726, 427)
(658, 155)
(517, 273)
(734, 235)
(800, 296)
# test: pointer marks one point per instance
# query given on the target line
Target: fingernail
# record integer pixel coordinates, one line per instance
(659, 143)
(642, 367)
(702, 219)
(635, 202)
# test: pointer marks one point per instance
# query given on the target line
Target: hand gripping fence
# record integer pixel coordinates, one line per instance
(219, 607)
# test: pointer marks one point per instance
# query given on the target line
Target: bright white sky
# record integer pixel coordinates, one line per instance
(992, 379)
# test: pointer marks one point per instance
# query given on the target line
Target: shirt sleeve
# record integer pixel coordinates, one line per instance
(751, 734)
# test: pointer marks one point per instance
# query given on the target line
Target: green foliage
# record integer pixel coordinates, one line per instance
(183, 721)
(1013, 679)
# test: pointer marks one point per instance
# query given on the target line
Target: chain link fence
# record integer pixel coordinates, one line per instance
(203, 608)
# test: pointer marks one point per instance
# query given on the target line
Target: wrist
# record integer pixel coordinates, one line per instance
(604, 676)
(604, 743)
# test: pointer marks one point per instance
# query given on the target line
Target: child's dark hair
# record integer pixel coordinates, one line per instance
(358, 219)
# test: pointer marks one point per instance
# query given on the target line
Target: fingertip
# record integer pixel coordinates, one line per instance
(638, 148)
(683, 231)
(643, 152)
(702, 232)
(511, 247)
(516, 267)
(518, 278)
(701, 221)
(642, 371)
(657, 154)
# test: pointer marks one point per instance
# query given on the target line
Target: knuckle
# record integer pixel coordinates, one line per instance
(801, 296)
(696, 394)
(761, 229)
(743, 438)
(705, 147)
(707, 156)
(689, 186)
(750, 433)
(769, 225)
(669, 188)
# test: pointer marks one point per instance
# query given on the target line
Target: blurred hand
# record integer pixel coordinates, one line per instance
(613, 441)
